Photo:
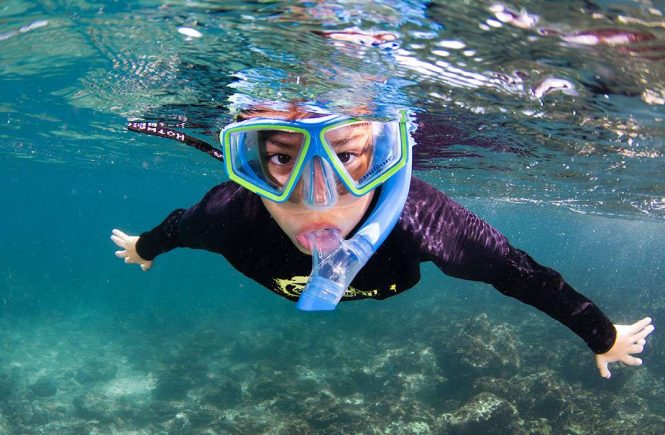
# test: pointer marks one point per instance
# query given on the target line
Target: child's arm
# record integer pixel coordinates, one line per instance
(224, 210)
(128, 243)
(464, 246)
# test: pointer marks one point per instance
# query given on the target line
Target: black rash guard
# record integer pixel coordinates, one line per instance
(233, 221)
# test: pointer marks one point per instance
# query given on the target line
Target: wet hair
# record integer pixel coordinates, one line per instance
(288, 112)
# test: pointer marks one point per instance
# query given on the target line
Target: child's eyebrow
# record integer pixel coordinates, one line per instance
(283, 144)
(347, 139)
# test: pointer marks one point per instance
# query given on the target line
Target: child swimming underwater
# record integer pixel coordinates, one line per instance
(339, 190)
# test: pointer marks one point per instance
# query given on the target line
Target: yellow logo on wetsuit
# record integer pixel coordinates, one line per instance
(294, 286)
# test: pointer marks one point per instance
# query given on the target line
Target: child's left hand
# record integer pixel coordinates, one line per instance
(630, 339)
(129, 253)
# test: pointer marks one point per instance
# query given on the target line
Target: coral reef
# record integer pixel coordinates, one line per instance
(464, 375)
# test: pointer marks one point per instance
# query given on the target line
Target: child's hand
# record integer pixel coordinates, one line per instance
(630, 339)
(129, 254)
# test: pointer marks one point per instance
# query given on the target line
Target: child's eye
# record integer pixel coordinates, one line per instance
(346, 157)
(279, 159)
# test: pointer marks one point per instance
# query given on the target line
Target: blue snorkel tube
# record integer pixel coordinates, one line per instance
(334, 269)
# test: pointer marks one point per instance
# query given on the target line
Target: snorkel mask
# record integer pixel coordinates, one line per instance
(333, 155)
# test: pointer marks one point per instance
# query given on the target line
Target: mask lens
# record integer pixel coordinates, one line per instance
(365, 150)
(266, 157)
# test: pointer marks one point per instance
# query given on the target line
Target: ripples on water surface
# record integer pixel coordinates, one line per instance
(560, 104)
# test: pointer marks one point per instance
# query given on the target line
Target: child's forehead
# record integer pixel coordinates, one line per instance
(292, 112)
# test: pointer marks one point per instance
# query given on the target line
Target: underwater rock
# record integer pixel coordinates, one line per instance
(202, 417)
(480, 348)
(24, 412)
(538, 426)
(648, 385)
(44, 387)
(337, 419)
(293, 426)
(548, 404)
(161, 411)
(94, 407)
(410, 371)
(7, 385)
(223, 395)
(170, 387)
(483, 414)
(549, 397)
(244, 352)
(654, 351)
(192, 420)
(179, 424)
(639, 405)
(4, 425)
(245, 420)
(633, 423)
(96, 371)
(40, 415)
(358, 381)
(540, 395)
(290, 405)
(367, 383)
(298, 396)
(183, 371)
(343, 386)
(266, 390)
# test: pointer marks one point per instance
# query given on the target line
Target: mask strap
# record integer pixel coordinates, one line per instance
(159, 129)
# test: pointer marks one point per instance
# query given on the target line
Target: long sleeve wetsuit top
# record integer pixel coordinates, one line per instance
(233, 221)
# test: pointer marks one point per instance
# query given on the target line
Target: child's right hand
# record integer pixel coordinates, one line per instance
(129, 253)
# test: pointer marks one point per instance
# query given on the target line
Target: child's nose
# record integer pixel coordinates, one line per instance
(317, 187)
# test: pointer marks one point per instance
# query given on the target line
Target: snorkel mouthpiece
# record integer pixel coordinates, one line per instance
(335, 262)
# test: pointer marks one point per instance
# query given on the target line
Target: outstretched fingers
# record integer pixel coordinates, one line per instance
(119, 242)
(643, 333)
(631, 360)
(129, 259)
(119, 233)
(128, 252)
(119, 238)
(641, 325)
(636, 348)
(630, 340)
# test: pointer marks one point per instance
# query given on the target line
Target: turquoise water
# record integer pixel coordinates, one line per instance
(573, 176)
